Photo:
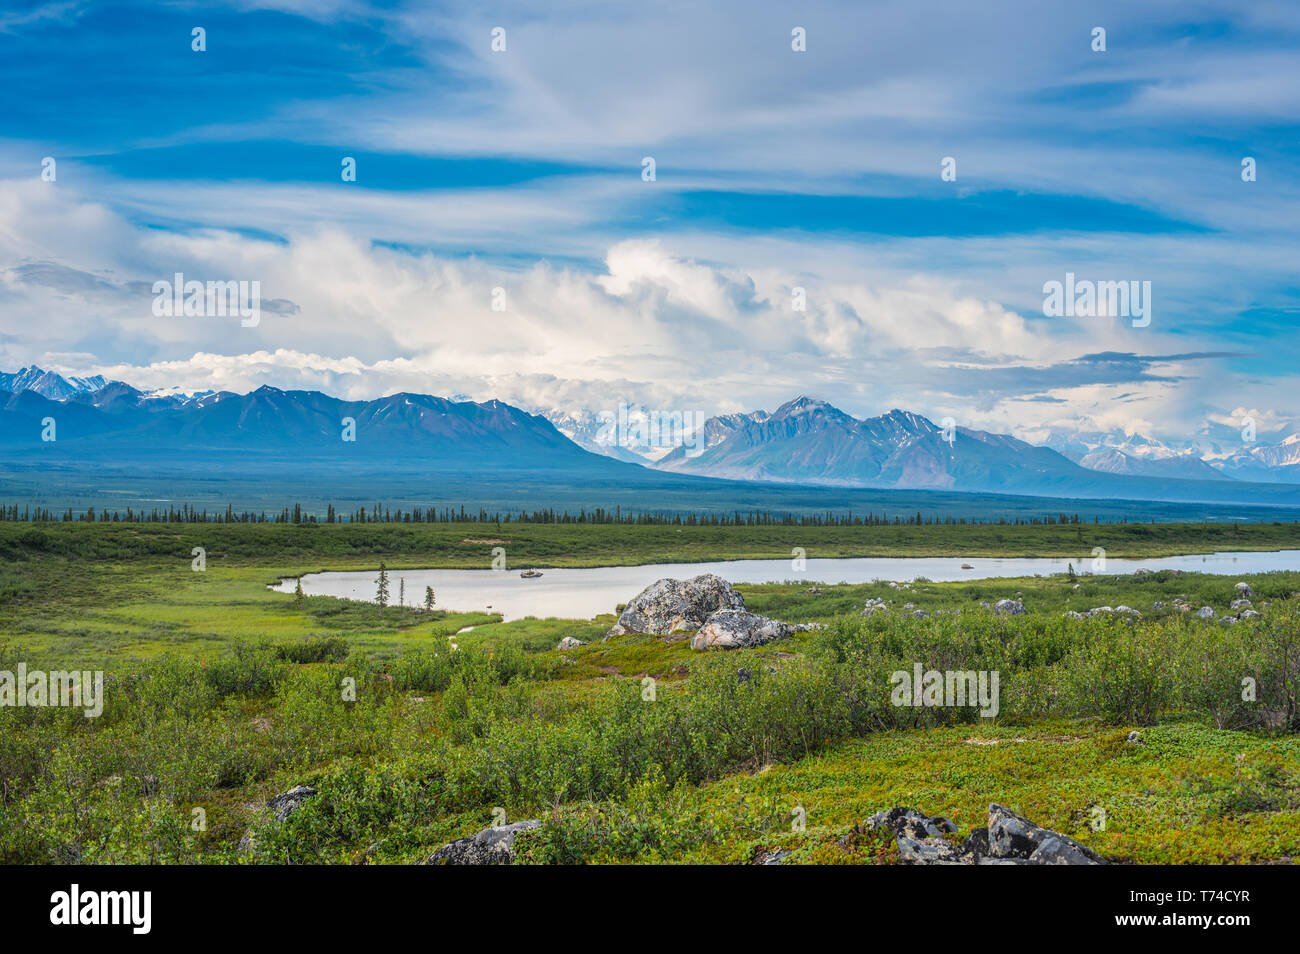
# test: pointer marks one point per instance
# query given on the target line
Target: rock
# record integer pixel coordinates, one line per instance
(1243, 589)
(1157, 605)
(976, 843)
(491, 846)
(928, 851)
(874, 606)
(669, 606)
(740, 629)
(1059, 850)
(1113, 610)
(919, 614)
(1071, 614)
(772, 857)
(1141, 572)
(1134, 738)
(1248, 614)
(1239, 605)
(1013, 836)
(570, 642)
(1205, 612)
(1009, 839)
(910, 823)
(281, 807)
(1008, 607)
(285, 804)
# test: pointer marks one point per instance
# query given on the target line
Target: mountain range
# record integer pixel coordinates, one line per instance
(805, 442)
(810, 440)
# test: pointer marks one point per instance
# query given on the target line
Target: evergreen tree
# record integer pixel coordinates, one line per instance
(428, 599)
(381, 594)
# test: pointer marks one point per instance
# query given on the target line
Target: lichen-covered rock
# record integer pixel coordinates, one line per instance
(911, 823)
(1205, 612)
(1243, 589)
(281, 807)
(1008, 607)
(740, 629)
(1009, 839)
(285, 804)
(491, 846)
(1113, 611)
(570, 642)
(668, 606)
(1239, 605)
(1014, 836)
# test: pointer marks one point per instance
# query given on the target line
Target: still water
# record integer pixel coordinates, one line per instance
(591, 591)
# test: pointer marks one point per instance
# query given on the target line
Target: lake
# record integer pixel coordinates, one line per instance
(590, 591)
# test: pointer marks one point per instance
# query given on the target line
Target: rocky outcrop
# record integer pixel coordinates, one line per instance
(667, 606)
(1009, 839)
(706, 605)
(1120, 610)
(740, 629)
(281, 807)
(875, 606)
(491, 846)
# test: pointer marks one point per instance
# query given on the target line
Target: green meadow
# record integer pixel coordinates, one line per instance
(222, 693)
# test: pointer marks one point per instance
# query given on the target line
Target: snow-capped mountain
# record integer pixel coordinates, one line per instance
(48, 383)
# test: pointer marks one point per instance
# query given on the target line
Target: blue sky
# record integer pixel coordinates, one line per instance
(521, 170)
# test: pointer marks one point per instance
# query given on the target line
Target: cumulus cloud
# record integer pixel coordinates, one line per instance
(645, 325)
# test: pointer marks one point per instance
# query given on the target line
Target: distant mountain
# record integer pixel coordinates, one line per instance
(811, 442)
(290, 437)
(592, 432)
(1185, 466)
(1278, 462)
(807, 440)
(1197, 458)
(118, 422)
(47, 383)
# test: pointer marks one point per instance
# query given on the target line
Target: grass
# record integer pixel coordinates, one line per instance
(228, 692)
(1186, 794)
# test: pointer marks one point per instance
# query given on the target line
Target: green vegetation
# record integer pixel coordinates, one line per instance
(222, 693)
